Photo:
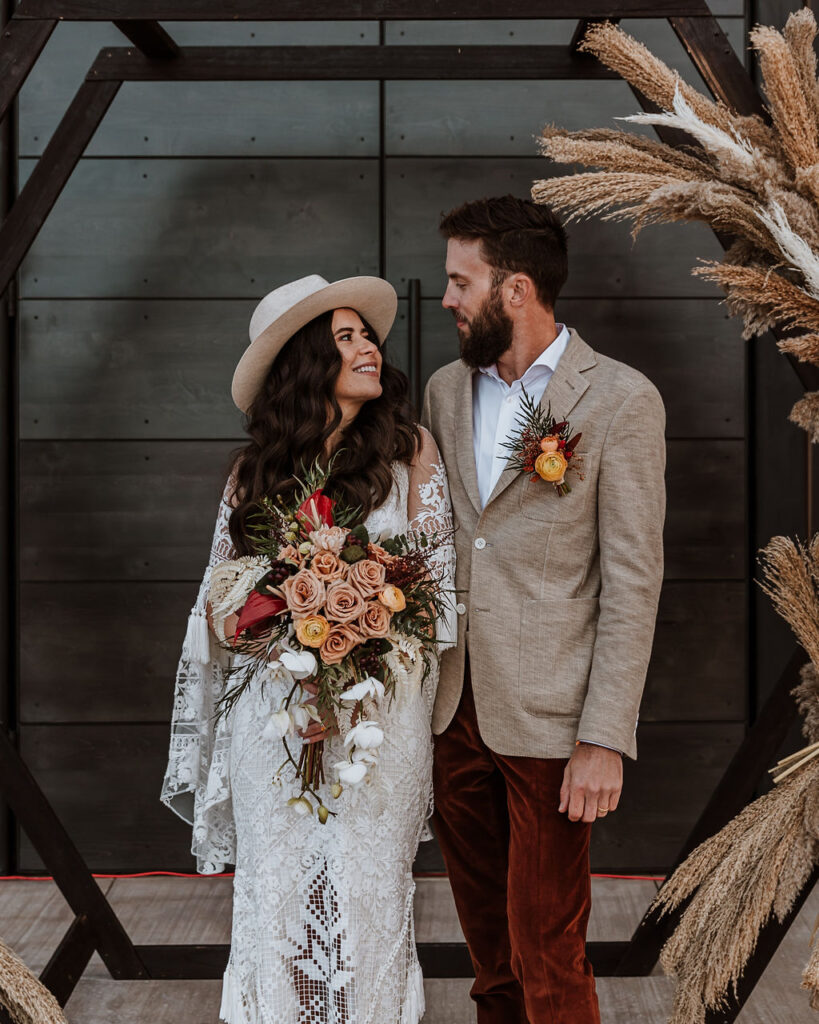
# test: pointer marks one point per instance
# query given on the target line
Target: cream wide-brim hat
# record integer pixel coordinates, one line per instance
(284, 310)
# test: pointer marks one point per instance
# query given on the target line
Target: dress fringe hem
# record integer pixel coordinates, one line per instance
(414, 1001)
(233, 1009)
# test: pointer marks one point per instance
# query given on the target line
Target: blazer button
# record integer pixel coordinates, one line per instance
(460, 608)
(480, 543)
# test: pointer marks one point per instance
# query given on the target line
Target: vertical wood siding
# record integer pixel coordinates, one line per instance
(194, 200)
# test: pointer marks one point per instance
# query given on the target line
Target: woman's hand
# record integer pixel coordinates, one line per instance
(317, 731)
(229, 625)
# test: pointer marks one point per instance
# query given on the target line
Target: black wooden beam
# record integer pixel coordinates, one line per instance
(62, 972)
(65, 864)
(21, 43)
(149, 37)
(714, 57)
(414, 338)
(734, 791)
(353, 10)
(50, 174)
(438, 960)
(293, 63)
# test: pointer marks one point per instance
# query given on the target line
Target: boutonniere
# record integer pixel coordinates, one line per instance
(543, 446)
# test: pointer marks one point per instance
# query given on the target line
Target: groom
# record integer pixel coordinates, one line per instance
(539, 700)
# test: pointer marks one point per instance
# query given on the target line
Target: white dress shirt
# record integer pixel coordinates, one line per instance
(496, 407)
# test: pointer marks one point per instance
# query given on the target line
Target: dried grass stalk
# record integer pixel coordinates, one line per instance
(617, 154)
(806, 695)
(810, 976)
(805, 347)
(674, 157)
(805, 414)
(617, 195)
(22, 995)
(753, 868)
(799, 33)
(790, 570)
(754, 182)
(788, 105)
(762, 296)
(640, 68)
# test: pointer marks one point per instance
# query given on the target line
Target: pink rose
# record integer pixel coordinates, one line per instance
(342, 604)
(378, 554)
(367, 577)
(340, 641)
(304, 593)
(375, 621)
(328, 566)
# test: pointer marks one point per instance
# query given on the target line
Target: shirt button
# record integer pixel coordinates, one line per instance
(480, 543)
(460, 608)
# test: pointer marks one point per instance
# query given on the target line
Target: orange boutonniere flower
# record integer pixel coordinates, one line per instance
(544, 447)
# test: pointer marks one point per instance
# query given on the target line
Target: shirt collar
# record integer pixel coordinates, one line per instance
(548, 358)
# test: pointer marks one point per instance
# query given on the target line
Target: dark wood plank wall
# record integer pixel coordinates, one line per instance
(194, 200)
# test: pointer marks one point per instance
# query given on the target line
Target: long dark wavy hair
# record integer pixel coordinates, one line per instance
(295, 412)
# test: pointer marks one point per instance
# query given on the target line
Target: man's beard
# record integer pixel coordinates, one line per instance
(490, 333)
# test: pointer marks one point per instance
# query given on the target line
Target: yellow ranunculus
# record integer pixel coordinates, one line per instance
(393, 598)
(312, 631)
(551, 466)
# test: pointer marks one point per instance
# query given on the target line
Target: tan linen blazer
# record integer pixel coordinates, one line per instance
(558, 595)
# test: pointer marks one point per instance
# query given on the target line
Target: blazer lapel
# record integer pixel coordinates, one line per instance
(565, 389)
(464, 446)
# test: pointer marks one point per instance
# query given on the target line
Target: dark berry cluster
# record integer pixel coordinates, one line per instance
(370, 662)
(277, 574)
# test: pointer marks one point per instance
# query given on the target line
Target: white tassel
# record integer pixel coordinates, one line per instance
(232, 1008)
(197, 639)
(414, 1001)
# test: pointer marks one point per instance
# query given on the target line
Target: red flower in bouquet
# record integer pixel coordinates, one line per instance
(257, 612)
(316, 511)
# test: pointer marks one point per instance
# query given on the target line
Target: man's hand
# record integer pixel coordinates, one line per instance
(592, 782)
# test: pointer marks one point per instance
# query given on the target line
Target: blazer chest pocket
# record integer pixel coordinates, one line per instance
(539, 498)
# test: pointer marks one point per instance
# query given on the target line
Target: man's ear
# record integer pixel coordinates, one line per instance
(521, 289)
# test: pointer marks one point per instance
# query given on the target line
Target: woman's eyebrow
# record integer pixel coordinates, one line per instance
(339, 329)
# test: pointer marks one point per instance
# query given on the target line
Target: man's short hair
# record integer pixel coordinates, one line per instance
(516, 236)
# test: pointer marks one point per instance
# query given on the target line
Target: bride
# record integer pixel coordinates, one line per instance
(322, 927)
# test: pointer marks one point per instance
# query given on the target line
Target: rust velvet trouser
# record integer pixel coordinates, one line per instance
(519, 871)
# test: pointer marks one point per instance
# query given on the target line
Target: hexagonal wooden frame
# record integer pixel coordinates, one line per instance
(155, 56)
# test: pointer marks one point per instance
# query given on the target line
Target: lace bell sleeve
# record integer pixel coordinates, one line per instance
(196, 785)
(429, 511)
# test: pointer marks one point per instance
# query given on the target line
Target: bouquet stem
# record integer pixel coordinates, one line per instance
(311, 765)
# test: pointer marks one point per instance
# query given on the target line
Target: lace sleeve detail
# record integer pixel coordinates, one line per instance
(196, 784)
(429, 511)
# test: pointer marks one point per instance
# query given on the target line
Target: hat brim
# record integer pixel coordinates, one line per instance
(373, 299)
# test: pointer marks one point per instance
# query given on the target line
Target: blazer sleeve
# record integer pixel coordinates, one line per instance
(631, 514)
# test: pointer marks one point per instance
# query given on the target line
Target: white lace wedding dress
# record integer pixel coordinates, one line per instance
(322, 914)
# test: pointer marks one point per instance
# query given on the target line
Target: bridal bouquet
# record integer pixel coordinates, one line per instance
(348, 622)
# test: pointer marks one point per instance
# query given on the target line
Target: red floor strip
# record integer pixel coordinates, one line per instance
(229, 874)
